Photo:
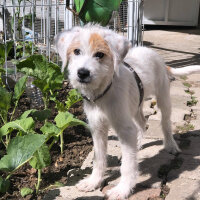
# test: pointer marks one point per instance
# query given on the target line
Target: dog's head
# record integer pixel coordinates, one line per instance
(93, 54)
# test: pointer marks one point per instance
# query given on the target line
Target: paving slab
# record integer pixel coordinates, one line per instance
(190, 156)
(178, 91)
(184, 189)
(193, 78)
(176, 116)
(141, 193)
(180, 49)
(154, 130)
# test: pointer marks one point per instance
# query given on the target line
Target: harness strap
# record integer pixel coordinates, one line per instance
(99, 96)
(138, 80)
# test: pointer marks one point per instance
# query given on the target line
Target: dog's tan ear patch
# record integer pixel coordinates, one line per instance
(97, 43)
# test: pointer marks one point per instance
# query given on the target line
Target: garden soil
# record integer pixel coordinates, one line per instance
(77, 145)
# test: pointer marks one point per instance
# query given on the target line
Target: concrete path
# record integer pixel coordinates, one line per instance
(161, 175)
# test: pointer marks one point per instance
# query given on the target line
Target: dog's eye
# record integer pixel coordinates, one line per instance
(99, 55)
(77, 51)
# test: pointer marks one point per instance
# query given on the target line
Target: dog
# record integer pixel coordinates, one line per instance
(96, 58)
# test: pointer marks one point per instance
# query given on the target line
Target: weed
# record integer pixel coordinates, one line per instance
(186, 84)
(185, 128)
(184, 77)
(192, 102)
(188, 91)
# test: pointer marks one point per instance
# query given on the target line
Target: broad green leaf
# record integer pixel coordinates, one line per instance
(39, 115)
(4, 185)
(99, 11)
(60, 106)
(66, 119)
(50, 129)
(5, 99)
(26, 191)
(73, 97)
(20, 150)
(8, 47)
(27, 113)
(2, 70)
(19, 88)
(47, 74)
(24, 125)
(41, 158)
(58, 184)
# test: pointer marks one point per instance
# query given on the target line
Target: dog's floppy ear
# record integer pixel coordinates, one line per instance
(119, 46)
(62, 42)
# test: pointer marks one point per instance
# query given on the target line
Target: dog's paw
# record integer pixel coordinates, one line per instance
(172, 148)
(119, 192)
(88, 184)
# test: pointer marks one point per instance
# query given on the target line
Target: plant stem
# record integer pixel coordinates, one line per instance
(61, 142)
(13, 112)
(45, 102)
(8, 176)
(4, 143)
(52, 143)
(3, 119)
(39, 180)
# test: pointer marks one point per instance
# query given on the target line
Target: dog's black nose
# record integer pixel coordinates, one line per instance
(83, 73)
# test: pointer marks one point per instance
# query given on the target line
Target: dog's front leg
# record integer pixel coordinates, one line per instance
(127, 133)
(99, 130)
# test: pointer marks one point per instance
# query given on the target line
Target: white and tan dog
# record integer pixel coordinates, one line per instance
(95, 58)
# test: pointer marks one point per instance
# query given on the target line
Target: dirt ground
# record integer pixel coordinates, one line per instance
(77, 145)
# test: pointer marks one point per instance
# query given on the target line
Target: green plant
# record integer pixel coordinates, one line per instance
(4, 51)
(6, 99)
(184, 78)
(192, 102)
(2, 72)
(20, 150)
(186, 84)
(188, 91)
(73, 97)
(99, 11)
(185, 128)
(25, 49)
(47, 75)
(40, 160)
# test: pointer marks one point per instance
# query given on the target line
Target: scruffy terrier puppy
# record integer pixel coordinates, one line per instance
(100, 64)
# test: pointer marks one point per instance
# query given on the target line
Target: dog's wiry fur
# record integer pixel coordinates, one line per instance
(119, 107)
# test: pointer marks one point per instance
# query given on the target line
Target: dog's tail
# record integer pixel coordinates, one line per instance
(192, 69)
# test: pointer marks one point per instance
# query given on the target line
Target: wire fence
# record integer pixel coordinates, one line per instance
(32, 25)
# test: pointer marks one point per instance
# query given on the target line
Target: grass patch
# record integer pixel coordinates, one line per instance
(192, 102)
(186, 84)
(188, 91)
(184, 77)
(185, 128)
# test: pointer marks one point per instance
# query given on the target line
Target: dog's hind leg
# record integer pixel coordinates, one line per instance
(99, 130)
(141, 122)
(140, 118)
(164, 103)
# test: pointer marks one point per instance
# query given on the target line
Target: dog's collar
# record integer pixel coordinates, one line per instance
(138, 80)
(99, 96)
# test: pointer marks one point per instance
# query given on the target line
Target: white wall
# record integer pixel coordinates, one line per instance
(171, 12)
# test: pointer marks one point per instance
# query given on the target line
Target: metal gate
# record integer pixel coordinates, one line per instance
(32, 25)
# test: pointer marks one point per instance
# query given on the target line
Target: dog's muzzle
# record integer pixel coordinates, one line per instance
(84, 75)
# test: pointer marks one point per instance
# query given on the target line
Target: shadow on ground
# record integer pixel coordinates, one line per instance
(193, 60)
(148, 166)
